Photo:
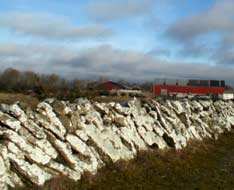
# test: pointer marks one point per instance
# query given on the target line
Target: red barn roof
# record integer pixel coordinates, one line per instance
(110, 85)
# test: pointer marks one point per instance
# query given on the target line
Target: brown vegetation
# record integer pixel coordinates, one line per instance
(42, 86)
(10, 98)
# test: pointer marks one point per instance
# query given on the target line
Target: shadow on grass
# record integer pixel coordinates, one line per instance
(201, 166)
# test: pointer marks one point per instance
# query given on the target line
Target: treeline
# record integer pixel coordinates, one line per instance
(43, 86)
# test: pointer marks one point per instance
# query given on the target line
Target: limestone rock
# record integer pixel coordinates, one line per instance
(151, 138)
(109, 142)
(46, 110)
(33, 153)
(32, 171)
(121, 110)
(120, 121)
(66, 152)
(94, 161)
(9, 121)
(130, 134)
(46, 125)
(63, 138)
(100, 107)
(66, 171)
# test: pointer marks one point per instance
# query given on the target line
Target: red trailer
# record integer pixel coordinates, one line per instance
(195, 87)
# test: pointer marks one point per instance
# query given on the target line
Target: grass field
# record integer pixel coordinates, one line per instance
(207, 165)
(10, 98)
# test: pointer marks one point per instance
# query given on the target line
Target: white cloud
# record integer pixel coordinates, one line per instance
(219, 18)
(106, 10)
(105, 61)
(208, 33)
(51, 27)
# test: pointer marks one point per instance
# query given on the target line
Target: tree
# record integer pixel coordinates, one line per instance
(10, 80)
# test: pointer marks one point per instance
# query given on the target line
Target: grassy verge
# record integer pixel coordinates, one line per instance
(10, 98)
(201, 166)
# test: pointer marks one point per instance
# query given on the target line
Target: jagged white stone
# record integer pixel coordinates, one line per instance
(78, 145)
(100, 107)
(3, 154)
(7, 177)
(121, 110)
(109, 142)
(47, 110)
(97, 131)
(206, 104)
(196, 106)
(2, 167)
(151, 138)
(9, 121)
(82, 134)
(178, 108)
(94, 117)
(66, 151)
(14, 149)
(45, 124)
(33, 153)
(13, 180)
(66, 171)
(120, 121)
(32, 171)
(25, 121)
(130, 134)
(83, 149)
(46, 146)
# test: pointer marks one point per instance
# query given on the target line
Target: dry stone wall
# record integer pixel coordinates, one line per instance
(62, 138)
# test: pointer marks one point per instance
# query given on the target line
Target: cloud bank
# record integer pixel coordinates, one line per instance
(108, 61)
(108, 10)
(207, 33)
(51, 27)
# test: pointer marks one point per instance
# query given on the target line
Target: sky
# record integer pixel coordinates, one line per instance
(135, 40)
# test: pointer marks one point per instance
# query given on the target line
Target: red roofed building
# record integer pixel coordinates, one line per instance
(110, 85)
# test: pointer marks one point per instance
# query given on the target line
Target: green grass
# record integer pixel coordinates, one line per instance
(200, 166)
